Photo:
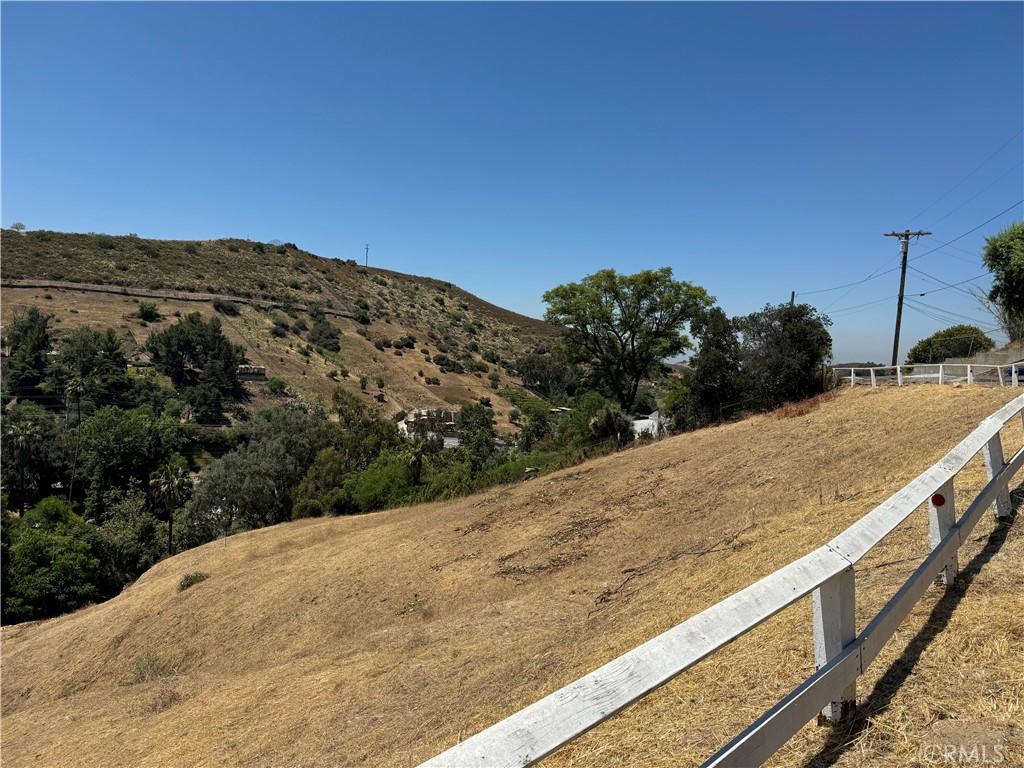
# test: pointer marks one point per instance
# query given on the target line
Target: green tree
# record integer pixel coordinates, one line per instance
(18, 226)
(89, 364)
(611, 423)
(115, 446)
(958, 341)
(196, 351)
(713, 379)
(1004, 256)
(551, 374)
(625, 326)
(477, 434)
(783, 349)
(28, 339)
(48, 566)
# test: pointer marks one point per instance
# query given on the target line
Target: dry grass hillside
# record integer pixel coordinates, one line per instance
(382, 639)
(98, 280)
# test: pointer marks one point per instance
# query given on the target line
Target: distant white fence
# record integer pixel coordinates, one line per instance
(841, 654)
(1011, 374)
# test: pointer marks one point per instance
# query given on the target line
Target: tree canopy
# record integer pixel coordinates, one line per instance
(958, 341)
(625, 326)
(783, 348)
(1004, 255)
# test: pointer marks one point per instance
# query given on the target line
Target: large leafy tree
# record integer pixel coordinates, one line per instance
(1004, 255)
(625, 326)
(783, 348)
(958, 341)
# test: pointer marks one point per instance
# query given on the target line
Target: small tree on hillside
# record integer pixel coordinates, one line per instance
(958, 341)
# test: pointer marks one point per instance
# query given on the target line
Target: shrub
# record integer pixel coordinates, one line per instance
(105, 241)
(259, 248)
(362, 383)
(307, 508)
(276, 385)
(281, 249)
(379, 381)
(233, 247)
(363, 317)
(148, 311)
(226, 307)
(191, 579)
(192, 248)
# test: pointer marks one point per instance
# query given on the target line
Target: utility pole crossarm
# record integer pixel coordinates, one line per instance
(904, 246)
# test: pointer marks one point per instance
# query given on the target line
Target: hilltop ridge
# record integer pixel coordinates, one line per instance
(452, 347)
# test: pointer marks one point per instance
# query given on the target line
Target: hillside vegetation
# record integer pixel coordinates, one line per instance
(452, 346)
(384, 638)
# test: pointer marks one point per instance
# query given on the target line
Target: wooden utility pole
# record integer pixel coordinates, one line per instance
(904, 245)
(792, 298)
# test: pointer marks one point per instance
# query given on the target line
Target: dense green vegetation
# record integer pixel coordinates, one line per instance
(107, 468)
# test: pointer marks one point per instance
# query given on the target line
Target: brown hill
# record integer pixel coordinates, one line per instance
(98, 280)
(382, 639)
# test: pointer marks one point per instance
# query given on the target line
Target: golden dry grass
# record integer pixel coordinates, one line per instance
(383, 639)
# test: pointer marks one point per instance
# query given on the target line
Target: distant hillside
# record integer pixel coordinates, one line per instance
(454, 348)
(381, 639)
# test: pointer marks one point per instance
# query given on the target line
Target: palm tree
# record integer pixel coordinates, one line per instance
(414, 451)
(171, 483)
(22, 437)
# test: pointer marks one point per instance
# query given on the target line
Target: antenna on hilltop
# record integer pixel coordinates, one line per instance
(367, 254)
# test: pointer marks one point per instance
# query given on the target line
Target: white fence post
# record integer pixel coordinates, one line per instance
(873, 382)
(999, 370)
(994, 462)
(853, 376)
(942, 376)
(941, 516)
(899, 376)
(1013, 376)
(835, 627)
(970, 376)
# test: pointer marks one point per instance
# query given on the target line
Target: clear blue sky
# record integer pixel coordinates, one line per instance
(754, 148)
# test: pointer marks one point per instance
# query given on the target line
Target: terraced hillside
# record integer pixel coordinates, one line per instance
(420, 342)
(382, 639)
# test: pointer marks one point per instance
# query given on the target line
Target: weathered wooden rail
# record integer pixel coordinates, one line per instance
(943, 373)
(841, 654)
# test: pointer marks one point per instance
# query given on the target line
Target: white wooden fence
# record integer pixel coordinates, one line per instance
(943, 373)
(841, 654)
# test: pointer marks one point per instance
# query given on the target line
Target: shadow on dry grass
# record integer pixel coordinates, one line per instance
(845, 736)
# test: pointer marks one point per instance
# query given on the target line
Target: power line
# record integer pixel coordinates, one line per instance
(943, 282)
(965, 178)
(848, 285)
(943, 315)
(969, 231)
(860, 306)
(986, 189)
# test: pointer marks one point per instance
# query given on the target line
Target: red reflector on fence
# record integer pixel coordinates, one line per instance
(938, 500)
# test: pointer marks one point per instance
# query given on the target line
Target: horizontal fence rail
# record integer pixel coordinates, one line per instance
(841, 654)
(1008, 374)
